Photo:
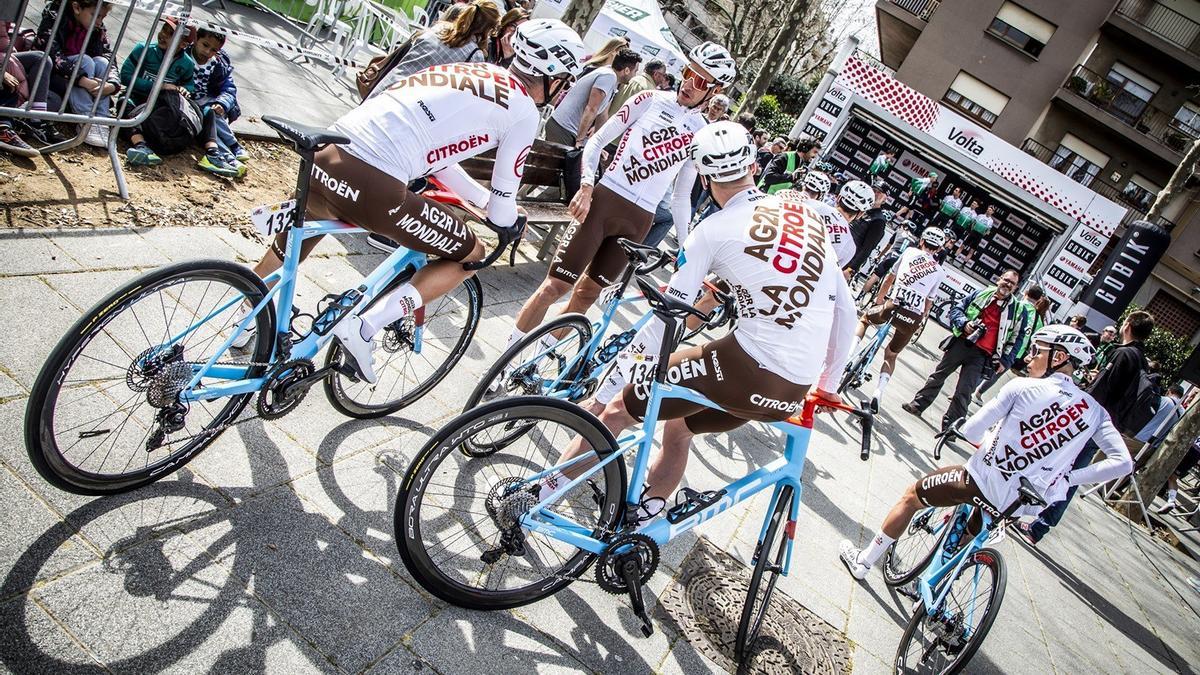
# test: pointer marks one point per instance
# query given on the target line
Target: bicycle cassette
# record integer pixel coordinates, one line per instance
(636, 548)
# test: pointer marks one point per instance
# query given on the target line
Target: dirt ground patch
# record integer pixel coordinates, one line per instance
(76, 188)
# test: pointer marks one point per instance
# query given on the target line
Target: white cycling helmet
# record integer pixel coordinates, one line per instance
(716, 61)
(816, 183)
(722, 151)
(548, 47)
(934, 236)
(856, 195)
(1070, 340)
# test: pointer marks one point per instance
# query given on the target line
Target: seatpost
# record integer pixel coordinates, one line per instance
(664, 349)
(302, 182)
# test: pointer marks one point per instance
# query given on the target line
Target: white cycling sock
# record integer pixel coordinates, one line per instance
(875, 549)
(517, 334)
(881, 383)
(610, 388)
(391, 307)
(548, 484)
(1171, 496)
(547, 342)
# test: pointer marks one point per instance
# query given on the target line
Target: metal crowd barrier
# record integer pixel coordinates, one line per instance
(178, 8)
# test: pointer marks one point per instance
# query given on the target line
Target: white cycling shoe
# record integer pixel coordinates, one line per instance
(348, 331)
(849, 557)
(243, 339)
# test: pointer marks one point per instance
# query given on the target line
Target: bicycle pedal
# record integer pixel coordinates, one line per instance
(694, 502)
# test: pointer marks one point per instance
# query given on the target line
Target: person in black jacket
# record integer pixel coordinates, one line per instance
(1112, 386)
(787, 167)
(868, 229)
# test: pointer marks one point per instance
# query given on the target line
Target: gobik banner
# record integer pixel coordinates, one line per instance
(1128, 267)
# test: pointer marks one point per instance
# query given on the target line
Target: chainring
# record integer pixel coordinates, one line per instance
(278, 397)
(608, 573)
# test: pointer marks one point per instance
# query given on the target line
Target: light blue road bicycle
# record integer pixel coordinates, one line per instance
(472, 530)
(857, 373)
(960, 581)
(149, 376)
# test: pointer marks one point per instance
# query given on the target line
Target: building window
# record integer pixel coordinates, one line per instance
(1130, 91)
(976, 99)
(1139, 192)
(1021, 28)
(1174, 315)
(1078, 160)
(1187, 119)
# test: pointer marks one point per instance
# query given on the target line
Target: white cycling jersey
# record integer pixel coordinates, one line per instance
(655, 132)
(918, 276)
(428, 122)
(1040, 427)
(838, 228)
(796, 315)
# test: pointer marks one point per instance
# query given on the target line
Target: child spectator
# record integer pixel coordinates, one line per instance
(12, 90)
(215, 89)
(179, 78)
(25, 66)
(73, 43)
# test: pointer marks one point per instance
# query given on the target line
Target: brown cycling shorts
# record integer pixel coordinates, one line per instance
(904, 323)
(343, 187)
(728, 376)
(951, 486)
(591, 247)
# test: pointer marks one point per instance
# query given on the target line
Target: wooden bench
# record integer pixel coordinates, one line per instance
(542, 195)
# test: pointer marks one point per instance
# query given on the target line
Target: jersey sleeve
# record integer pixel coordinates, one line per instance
(993, 411)
(681, 200)
(509, 168)
(461, 184)
(612, 129)
(841, 337)
(1116, 462)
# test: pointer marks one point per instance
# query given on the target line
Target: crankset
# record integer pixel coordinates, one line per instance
(627, 565)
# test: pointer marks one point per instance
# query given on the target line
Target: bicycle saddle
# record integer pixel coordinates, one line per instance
(1028, 494)
(306, 138)
(665, 306)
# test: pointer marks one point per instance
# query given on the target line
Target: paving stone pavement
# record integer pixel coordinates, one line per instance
(274, 549)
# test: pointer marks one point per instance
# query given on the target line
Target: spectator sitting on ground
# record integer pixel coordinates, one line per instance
(500, 51)
(13, 90)
(585, 106)
(25, 66)
(216, 90)
(653, 75)
(68, 42)
(464, 40)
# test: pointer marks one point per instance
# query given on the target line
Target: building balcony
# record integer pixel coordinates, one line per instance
(1160, 27)
(1121, 112)
(900, 23)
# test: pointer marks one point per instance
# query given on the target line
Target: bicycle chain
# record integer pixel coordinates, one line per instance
(228, 425)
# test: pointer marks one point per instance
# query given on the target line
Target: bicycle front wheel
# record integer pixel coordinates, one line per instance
(909, 555)
(458, 517)
(768, 565)
(104, 415)
(412, 359)
(943, 640)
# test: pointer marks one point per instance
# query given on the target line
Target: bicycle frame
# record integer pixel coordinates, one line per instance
(945, 566)
(283, 292)
(783, 471)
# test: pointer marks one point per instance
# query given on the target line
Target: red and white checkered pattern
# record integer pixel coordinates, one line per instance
(890, 94)
(1031, 184)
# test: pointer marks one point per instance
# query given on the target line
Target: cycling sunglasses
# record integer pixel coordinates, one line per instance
(696, 79)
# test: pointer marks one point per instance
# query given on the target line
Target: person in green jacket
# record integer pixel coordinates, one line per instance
(1032, 308)
(180, 72)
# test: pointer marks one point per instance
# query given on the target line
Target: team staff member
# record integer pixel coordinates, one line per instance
(1017, 437)
(757, 243)
(908, 290)
(655, 129)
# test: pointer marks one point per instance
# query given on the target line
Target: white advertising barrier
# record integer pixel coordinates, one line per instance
(974, 143)
(641, 21)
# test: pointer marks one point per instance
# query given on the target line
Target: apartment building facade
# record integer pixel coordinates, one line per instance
(1106, 92)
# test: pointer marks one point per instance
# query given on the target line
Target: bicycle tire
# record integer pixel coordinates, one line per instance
(341, 390)
(41, 443)
(924, 519)
(852, 374)
(444, 444)
(752, 613)
(990, 559)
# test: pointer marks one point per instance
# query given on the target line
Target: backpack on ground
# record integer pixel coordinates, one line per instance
(173, 125)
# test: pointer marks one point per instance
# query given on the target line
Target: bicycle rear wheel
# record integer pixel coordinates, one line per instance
(944, 640)
(97, 419)
(768, 565)
(404, 373)
(454, 510)
(910, 554)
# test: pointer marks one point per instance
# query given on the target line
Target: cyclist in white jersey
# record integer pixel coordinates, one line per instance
(1035, 427)
(905, 297)
(776, 257)
(815, 186)
(854, 198)
(655, 128)
(424, 125)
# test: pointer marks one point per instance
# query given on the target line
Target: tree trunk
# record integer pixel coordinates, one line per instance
(1183, 172)
(581, 13)
(775, 56)
(1153, 477)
